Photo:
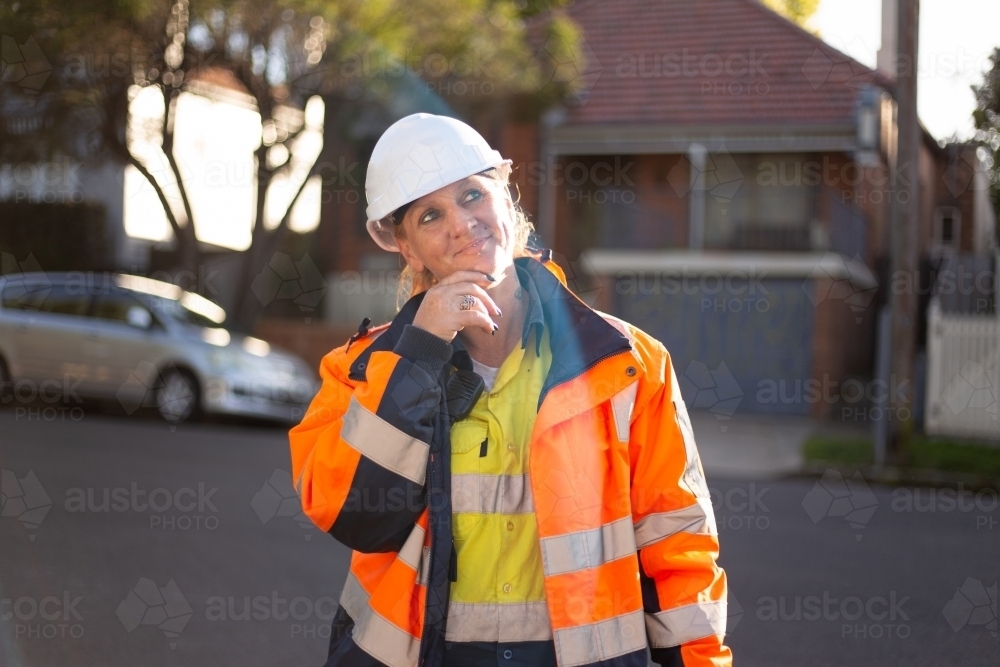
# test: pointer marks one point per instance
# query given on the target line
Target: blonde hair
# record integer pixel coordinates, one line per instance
(413, 282)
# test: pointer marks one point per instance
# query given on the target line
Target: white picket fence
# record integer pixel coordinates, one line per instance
(963, 375)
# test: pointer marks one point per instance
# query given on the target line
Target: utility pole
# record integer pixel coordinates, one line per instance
(904, 223)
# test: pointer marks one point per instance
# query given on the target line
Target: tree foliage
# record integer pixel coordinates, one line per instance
(272, 56)
(987, 120)
(797, 11)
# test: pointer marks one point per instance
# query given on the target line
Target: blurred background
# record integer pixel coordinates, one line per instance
(798, 197)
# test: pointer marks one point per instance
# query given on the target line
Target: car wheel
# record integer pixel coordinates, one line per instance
(177, 398)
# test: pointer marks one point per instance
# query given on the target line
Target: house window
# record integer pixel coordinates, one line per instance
(770, 207)
(616, 218)
(947, 230)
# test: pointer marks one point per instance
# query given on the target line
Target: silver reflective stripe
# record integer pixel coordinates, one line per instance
(384, 444)
(384, 641)
(698, 518)
(491, 622)
(600, 641)
(693, 478)
(354, 599)
(684, 624)
(413, 548)
(622, 405)
(491, 494)
(372, 633)
(588, 548)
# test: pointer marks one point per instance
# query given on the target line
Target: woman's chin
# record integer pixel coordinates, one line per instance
(485, 264)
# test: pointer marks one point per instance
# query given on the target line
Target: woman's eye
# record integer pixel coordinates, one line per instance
(473, 195)
(428, 216)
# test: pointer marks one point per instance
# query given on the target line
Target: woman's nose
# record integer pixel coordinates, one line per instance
(460, 221)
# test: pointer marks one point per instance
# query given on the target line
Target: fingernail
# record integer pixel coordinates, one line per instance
(499, 312)
(490, 278)
(495, 327)
(493, 333)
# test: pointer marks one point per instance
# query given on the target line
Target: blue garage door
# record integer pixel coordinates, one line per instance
(735, 346)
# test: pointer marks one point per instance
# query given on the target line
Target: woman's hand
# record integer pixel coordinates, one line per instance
(441, 312)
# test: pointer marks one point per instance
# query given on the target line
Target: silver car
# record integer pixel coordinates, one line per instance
(140, 342)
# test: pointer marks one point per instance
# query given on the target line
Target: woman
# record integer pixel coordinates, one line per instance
(515, 472)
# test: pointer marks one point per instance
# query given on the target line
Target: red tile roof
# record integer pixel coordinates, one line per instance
(707, 62)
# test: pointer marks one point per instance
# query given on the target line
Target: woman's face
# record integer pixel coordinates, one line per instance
(468, 225)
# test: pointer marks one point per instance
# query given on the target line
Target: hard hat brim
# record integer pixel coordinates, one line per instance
(383, 237)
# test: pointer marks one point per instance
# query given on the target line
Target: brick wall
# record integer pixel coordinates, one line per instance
(843, 344)
(519, 143)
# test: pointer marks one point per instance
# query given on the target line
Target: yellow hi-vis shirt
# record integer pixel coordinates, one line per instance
(500, 592)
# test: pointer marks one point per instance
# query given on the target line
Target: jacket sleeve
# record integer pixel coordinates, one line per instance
(359, 456)
(683, 589)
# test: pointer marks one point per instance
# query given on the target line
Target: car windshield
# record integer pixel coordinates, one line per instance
(180, 312)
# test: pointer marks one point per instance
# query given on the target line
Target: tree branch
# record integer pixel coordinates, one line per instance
(159, 193)
(302, 186)
(168, 151)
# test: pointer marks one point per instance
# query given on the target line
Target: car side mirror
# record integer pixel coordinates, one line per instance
(138, 317)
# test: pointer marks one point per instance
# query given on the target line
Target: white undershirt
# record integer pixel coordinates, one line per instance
(488, 373)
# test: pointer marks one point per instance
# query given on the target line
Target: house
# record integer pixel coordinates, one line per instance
(62, 194)
(727, 176)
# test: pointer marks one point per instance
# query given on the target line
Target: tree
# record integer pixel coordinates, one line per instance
(987, 120)
(796, 11)
(275, 54)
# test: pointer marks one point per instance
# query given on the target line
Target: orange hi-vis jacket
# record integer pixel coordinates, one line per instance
(625, 522)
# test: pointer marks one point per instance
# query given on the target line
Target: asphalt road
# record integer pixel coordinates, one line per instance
(195, 560)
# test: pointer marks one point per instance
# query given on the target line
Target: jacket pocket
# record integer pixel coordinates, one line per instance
(467, 438)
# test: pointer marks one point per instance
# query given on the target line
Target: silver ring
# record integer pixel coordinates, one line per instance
(467, 302)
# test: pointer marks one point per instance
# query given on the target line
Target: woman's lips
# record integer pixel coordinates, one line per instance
(476, 245)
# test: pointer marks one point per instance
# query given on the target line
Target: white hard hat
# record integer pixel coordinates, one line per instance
(416, 156)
